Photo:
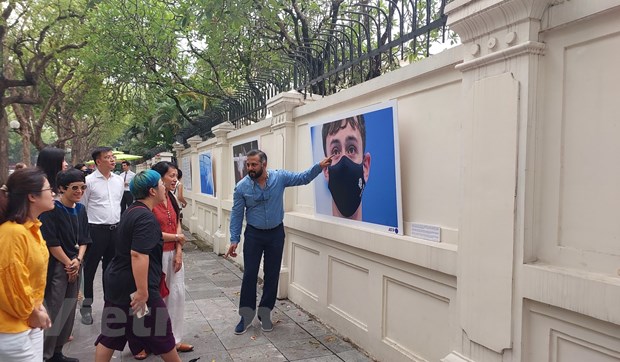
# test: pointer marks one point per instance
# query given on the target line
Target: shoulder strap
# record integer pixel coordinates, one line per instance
(135, 207)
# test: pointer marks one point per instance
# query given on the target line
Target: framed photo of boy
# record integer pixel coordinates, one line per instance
(362, 185)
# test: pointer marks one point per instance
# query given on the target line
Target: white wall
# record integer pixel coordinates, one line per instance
(509, 144)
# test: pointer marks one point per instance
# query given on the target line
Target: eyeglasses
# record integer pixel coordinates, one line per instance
(47, 189)
(76, 187)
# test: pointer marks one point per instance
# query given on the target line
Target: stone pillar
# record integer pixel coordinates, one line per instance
(188, 212)
(283, 128)
(195, 176)
(222, 159)
(500, 68)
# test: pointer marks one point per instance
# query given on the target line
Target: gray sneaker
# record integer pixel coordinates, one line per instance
(266, 325)
(87, 315)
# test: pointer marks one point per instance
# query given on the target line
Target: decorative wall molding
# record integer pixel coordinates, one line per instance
(472, 19)
(529, 47)
(221, 132)
(284, 102)
(193, 142)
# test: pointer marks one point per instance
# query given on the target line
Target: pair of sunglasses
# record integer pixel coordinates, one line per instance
(76, 187)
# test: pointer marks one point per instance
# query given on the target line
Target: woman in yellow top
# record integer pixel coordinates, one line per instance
(23, 265)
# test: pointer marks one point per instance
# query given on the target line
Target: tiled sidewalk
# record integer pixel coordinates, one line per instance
(212, 286)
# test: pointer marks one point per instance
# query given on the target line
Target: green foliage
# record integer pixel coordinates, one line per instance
(145, 69)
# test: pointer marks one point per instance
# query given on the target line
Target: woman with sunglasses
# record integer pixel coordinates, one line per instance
(66, 232)
(23, 264)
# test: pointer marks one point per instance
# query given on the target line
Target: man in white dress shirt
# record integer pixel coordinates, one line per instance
(102, 199)
(127, 176)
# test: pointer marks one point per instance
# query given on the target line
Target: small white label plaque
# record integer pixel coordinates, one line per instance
(426, 232)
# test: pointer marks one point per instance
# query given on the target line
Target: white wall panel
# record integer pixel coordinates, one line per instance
(416, 321)
(556, 335)
(304, 259)
(347, 290)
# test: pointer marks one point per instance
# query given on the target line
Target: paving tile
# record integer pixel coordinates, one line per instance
(331, 358)
(354, 356)
(335, 343)
(315, 328)
(228, 283)
(253, 337)
(264, 352)
(302, 349)
(285, 331)
(205, 294)
(217, 308)
(209, 356)
(285, 305)
(298, 315)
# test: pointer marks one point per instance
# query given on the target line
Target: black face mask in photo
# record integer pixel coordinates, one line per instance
(346, 183)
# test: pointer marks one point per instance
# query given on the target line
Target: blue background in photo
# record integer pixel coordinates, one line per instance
(379, 201)
(206, 173)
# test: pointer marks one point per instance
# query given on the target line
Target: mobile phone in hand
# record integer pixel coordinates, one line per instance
(140, 313)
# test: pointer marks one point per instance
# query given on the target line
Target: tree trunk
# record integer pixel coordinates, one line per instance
(25, 146)
(4, 146)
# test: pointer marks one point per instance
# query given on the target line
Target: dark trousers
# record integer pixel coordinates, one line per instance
(257, 244)
(126, 200)
(102, 247)
(60, 302)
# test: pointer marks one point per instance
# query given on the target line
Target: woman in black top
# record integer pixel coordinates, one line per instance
(131, 281)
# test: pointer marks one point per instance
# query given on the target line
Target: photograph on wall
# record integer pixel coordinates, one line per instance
(362, 185)
(240, 151)
(186, 168)
(206, 173)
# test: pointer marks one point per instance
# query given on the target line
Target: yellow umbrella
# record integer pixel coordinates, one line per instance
(126, 157)
(120, 156)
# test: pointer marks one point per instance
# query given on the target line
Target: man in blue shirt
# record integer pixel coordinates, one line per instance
(260, 196)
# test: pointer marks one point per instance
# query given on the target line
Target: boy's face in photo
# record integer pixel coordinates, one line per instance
(347, 142)
(349, 171)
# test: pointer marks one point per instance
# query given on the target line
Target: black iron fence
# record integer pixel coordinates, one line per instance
(364, 40)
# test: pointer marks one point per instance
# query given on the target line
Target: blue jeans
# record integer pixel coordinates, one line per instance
(270, 245)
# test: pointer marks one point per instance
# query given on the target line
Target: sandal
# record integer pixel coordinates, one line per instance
(184, 347)
(140, 356)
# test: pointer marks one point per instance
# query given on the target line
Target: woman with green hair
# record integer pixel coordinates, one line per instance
(132, 280)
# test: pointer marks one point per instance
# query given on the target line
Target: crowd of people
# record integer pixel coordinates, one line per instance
(57, 224)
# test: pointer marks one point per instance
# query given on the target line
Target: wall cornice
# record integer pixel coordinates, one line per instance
(284, 102)
(529, 47)
(221, 132)
(193, 143)
(472, 19)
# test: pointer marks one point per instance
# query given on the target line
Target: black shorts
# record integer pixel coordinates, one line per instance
(153, 332)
